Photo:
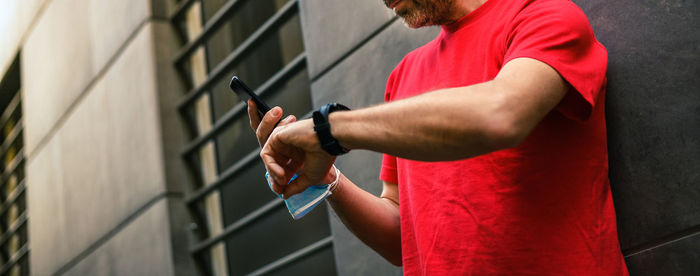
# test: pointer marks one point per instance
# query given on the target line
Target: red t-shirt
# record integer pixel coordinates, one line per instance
(541, 208)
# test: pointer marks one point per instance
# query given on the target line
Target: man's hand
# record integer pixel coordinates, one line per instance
(294, 148)
(263, 128)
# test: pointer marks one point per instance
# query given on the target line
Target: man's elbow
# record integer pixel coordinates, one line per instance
(392, 254)
(504, 133)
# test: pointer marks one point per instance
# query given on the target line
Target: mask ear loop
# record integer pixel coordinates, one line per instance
(334, 184)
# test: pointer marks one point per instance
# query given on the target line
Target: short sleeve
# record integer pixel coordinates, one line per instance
(388, 172)
(559, 34)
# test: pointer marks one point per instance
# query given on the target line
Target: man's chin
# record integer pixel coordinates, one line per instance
(414, 24)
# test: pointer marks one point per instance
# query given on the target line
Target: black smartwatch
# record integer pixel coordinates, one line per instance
(323, 128)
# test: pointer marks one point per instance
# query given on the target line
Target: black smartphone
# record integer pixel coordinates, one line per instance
(245, 93)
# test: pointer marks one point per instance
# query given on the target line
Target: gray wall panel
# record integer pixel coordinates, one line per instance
(172, 134)
(57, 65)
(653, 113)
(653, 110)
(102, 164)
(360, 80)
(351, 83)
(677, 258)
(332, 28)
(169, 93)
(16, 17)
(352, 256)
(71, 43)
(141, 248)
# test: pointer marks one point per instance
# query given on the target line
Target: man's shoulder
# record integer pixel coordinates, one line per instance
(414, 55)
(562, 9)
(409, 62)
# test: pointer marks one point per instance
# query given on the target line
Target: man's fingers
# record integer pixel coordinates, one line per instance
(268, 124)
(274, 169)
(253, 115)
(288, 120)
(293, 167)
(312, 175)
(281, 160)
(297, 186)
(279, 189)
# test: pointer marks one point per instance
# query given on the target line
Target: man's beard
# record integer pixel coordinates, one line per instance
(420, 13)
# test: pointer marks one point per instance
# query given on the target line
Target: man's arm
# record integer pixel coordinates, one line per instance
(457, 123)
(357, 208)
(448, 124)
(374, 220)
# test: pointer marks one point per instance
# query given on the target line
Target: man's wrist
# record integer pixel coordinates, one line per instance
(330, 176)
(322, 127)
(338, 121)
(336, 188)
(336, 178)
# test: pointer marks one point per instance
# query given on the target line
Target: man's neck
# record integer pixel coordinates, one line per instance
(464, 7)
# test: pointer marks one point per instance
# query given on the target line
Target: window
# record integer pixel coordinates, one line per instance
(239, 220)
(14, 249)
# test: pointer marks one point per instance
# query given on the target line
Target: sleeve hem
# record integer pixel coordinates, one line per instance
(388, 175)
(578, 103)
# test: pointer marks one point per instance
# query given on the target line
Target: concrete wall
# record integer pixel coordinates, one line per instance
(653, 113)
(352, 47)
(653, 116)
(16, 17)
(102, 135)
(105, 181)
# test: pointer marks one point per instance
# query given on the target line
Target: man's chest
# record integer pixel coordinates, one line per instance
(451, 64)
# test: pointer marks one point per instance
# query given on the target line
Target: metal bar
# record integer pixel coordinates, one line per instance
(195, 170)
(10, 169)
(276, 20)
(10, 109)
(12, 197)
(199, 227)
(21, 253)
(185, 76)
(10, 139)
(180, 10)
(13, 228)
(19, 159)
(294, 256)
(281, 75)
(232, 228)
(227, 174)
(210, 26)
(203, 266)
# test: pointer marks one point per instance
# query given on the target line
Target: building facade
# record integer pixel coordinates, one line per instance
(125, 153)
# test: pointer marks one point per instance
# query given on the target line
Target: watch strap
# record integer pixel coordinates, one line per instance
(323, 128)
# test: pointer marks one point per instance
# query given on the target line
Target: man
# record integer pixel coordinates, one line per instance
(494, 142)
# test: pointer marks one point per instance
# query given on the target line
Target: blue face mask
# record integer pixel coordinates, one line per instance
(300, 204)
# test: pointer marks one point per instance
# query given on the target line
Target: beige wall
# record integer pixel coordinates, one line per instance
(101, 134)
(16, 17)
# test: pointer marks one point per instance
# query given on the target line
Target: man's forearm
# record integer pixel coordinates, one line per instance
(373, 220)
(456, 123)
(448, 124)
